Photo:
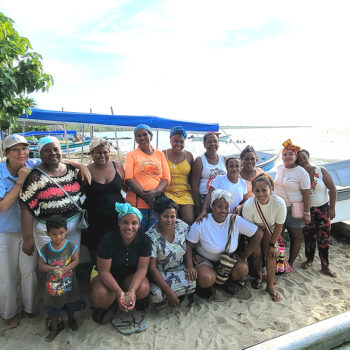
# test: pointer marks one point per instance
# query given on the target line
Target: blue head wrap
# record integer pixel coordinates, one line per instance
(178, 130)
(143, 126)
(125, 209)
(47, 139)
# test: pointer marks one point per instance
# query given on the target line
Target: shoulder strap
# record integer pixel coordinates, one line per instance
(229, 234)
(284, 189)
(262, 217)
(64, 191)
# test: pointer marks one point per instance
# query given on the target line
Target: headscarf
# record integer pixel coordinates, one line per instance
(98, 141)
(178, 130)
(289, 145)
(218, 194)
(46, 140)
(143, 126)
(125, 208)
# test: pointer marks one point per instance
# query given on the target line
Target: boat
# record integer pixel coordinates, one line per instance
(224, 138)
(340, 172)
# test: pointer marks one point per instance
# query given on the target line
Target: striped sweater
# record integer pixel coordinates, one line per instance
(43, 198)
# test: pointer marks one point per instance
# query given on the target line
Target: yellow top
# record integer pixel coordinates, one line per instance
(179, 189)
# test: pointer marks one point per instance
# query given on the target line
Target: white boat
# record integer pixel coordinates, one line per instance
(340, 172)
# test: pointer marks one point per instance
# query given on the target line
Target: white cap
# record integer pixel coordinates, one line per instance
(12, 140)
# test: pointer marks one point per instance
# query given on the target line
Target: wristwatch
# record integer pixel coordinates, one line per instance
(274, 245)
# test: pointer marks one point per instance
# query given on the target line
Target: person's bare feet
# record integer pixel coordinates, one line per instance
(326, 271)
(14, 321)
(51, 336)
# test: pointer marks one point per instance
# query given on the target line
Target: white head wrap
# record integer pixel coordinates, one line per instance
(217, 194)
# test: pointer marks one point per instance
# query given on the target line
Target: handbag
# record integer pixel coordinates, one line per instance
(227, 260)
(297, 207)
(280, 266)
(83, 222)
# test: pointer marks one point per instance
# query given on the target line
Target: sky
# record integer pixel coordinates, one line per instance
(232, 62)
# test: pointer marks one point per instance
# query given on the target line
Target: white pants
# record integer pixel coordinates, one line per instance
(41, 238)
(12, 259)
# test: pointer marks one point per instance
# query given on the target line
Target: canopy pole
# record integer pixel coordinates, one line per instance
(91, 129)
(82, 144)
(157, 139)
(116, 137)
(23, 127)
(66, 137)
(229, 137)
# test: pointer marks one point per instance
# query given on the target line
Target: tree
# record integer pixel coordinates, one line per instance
(21, 73)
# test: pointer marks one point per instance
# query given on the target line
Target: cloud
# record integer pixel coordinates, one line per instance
(241, 63)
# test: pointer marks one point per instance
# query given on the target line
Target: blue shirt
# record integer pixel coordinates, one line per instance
(10, 220)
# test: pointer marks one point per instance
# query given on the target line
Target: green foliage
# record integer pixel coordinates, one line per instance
(21, 73)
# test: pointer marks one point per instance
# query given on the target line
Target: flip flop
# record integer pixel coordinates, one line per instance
(306, 264)
(288, 268)
(124, 324)
(140, 321)
(256, 284)
(274, 296)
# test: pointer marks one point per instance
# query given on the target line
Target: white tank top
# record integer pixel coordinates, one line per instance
(209, 173)
(318, 191)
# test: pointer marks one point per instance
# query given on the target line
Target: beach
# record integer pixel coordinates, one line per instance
(228, 322)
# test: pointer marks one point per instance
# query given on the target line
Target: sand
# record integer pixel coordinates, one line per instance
(228, 322)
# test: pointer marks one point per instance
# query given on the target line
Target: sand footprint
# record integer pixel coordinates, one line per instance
(244, 294)
(338, 292)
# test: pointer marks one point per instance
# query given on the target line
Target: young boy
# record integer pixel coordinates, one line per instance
(58, 259)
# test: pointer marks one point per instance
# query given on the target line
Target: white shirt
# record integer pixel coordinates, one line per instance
(211, 236)
(275, 211)
(209, 172)
(318, 191)
(238, 190)
(292, 180)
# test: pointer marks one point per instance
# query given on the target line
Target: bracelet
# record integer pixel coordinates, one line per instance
(306, 213)
(18, 184)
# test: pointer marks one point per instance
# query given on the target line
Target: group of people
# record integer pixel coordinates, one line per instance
(164, 240)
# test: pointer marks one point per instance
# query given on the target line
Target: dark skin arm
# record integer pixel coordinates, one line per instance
(275, 234)
(191, 272)
(195, 180)
(58, 271)
(254, 242)
(306, 200)
(27, 230)
(332, 191)
(203, 214)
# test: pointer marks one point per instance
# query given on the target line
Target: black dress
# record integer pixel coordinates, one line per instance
(100, 204)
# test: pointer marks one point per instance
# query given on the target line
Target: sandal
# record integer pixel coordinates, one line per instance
(257, 283)
(14, 321)
(140, 321)
(124, 324)
(306, 264)
(241, 283)
(326, 271)
(274, 296)
(288, 268)
(229, 287)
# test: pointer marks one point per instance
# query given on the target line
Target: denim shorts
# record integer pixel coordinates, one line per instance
(293, 222)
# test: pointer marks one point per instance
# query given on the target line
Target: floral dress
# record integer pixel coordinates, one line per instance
(169, 262)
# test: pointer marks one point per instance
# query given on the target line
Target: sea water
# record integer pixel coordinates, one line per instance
(324, 145)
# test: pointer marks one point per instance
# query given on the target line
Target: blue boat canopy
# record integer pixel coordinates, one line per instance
(60, 117)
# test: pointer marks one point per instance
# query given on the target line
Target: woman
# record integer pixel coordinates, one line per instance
(42, 197)
(209, 238)
(13, 173)
(322, 212)
(172, 280)
(180, 163)
(249, 169)
(292, 183)
(102, 194)
(146, 174)
(122, 261)
(231, 183)
(268, 206)
(205, 169)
